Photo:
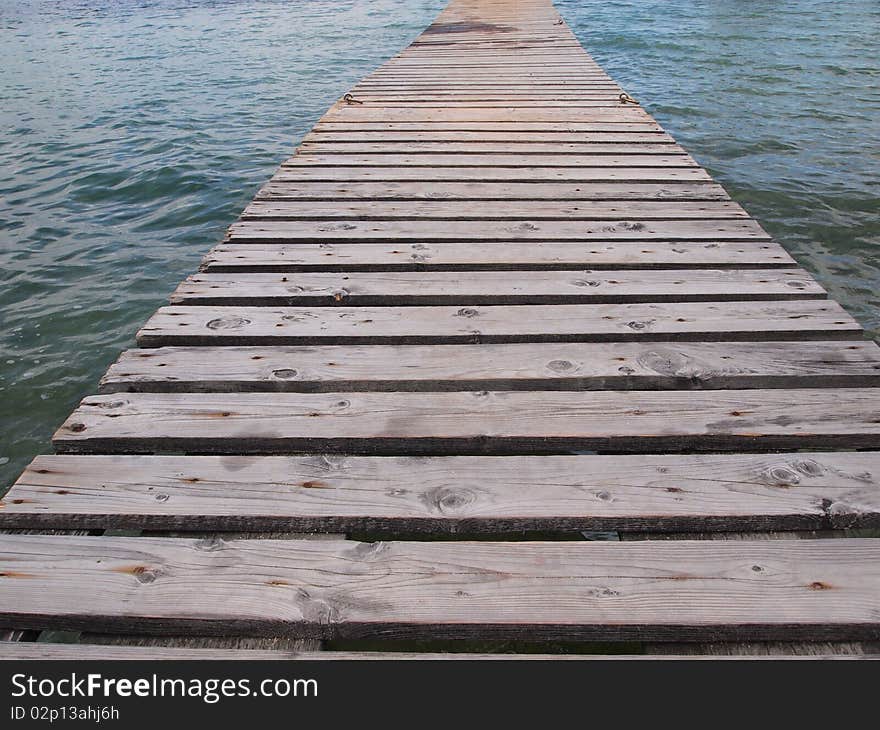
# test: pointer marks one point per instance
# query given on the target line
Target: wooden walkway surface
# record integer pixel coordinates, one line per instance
(485, 299)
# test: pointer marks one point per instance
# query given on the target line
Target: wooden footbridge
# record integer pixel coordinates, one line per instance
(489, 304)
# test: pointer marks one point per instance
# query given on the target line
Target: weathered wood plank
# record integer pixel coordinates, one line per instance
(502, 210)
(452, 159)
(821, 590)
(356, 190)
(410, 149)
(42, 651)
(642, 173)
(408, 288)
(513, 128)
(502, 113)
(449, 495)
(472, 324)
(750, 648)
(547, 366)
(478, 229)
(508, 88)
(490, 256)
(413, 106)
(511, 140)
(481, 422)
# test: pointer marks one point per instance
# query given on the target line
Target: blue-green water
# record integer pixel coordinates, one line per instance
(132, 133)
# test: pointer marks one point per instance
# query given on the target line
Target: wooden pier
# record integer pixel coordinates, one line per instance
(486, 306)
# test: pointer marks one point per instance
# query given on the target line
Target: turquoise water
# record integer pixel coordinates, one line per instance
(132, 134)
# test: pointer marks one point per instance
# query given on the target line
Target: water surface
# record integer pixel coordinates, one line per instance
(132, 134)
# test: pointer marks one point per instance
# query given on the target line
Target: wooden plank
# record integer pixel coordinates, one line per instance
(475, 324)
(644, 173)
(547, 366)
(479, 229)
(503, 113)
(487, 148)
(449, 495)
(408, 288)
(43, 651)
(750, 648)
(490, 256)
(479, 106)
(489, 61)
(821, 590)
(502, 210)
(356, 190)
(511, 160)
(579, 128)
(456, 74)
(476, 107)
(426, 89)
(481, 422)
(512, 139)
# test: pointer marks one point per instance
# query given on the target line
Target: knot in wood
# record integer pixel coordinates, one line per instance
(285, 373)
(780, 476)
(810, 467)
(560, 366)
(449, 500)
(637, 325)
(227, 323)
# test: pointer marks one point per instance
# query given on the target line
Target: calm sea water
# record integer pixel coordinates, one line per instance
(132, 133)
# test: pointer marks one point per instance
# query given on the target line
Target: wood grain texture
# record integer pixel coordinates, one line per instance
(478, 229)
(449, 495)
(532, 129)
(514, 160)
(545, 366)
(512, 140)
(404, 288)
(500, 211)
(43, 651)
(387, 147)
(826, 589)
(481, 422)
(317, 191)
(644, 172)
(486, 186)
(196, 325)
(539, 255)
(502, 113)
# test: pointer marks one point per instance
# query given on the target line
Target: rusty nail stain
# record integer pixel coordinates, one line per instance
(818, 585)
(315, 484)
